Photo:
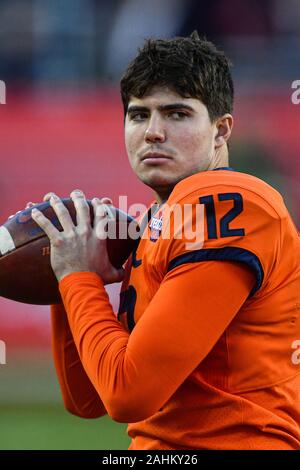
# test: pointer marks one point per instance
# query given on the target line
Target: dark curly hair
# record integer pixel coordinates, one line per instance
(192, 66)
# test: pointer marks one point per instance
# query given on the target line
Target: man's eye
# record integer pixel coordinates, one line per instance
(177, 115)
(138, 116)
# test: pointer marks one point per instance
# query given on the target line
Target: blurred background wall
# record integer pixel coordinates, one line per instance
(62, 128)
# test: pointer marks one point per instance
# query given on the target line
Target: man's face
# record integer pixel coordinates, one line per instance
(168, 138)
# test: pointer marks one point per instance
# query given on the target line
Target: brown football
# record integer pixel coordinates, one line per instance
(25, 271)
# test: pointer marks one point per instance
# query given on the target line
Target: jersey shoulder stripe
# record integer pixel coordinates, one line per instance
(230, 253)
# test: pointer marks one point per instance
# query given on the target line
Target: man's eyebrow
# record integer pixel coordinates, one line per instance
(132, 109)
(163, 107)
(173, 106)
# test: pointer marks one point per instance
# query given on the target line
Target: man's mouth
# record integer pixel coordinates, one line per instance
(155, 157)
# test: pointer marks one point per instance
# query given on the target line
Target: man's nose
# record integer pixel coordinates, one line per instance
(155, 131)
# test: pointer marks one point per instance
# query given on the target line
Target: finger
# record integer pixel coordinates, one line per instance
(48, 196)
(62, 213)
(106, 200)
(100, 219)
(100, 209)
(13, 215)
(30, 204)
(45, 224)
(82, 208)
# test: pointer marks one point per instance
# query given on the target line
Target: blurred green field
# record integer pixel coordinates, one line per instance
(32, 416)
(43, 427)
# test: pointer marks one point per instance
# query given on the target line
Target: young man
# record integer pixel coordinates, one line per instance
(206, 354)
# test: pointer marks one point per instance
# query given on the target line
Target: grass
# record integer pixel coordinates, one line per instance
(50, 427)
(32, 416)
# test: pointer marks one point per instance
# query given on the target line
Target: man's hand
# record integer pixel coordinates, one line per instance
(80, 247)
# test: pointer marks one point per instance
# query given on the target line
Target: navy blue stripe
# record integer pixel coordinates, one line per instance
(223, 254)
(224, 168)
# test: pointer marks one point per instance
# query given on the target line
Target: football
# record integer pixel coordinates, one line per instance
(25, 270)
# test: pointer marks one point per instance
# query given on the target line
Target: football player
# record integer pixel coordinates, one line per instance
(205, 352)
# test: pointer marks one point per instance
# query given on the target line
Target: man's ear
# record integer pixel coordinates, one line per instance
(224, 127)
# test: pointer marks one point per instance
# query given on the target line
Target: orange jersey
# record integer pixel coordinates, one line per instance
(207, 354)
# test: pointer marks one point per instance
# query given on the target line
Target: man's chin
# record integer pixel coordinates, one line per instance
(159, 184)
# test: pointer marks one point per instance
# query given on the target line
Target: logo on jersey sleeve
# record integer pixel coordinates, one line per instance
(156, 227)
